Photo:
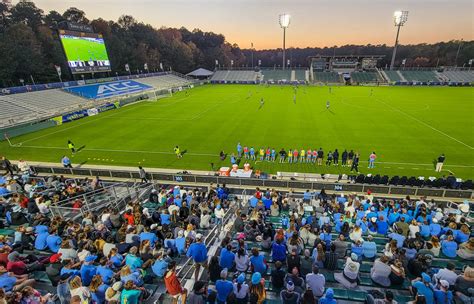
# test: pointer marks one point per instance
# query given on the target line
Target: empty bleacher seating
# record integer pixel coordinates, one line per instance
(459, 76)
(364, 77)
(326, 77)
(235, 76)
(393, 75)
(165, 81)
(276, 75)
(422, 76)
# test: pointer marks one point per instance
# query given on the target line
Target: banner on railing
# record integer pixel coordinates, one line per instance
(85, 113)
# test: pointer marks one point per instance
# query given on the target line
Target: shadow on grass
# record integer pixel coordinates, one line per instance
(80, 148)
(81, 164)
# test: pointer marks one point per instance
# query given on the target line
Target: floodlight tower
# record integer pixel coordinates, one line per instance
(284, 20)
(399, 18)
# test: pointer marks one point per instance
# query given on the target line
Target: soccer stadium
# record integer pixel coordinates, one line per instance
(142, 163)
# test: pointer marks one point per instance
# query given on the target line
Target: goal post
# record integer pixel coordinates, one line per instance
(159, 94)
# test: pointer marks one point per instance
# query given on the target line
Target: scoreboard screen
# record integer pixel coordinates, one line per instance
(85, 52)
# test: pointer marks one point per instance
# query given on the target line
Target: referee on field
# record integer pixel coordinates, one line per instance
(440, 162)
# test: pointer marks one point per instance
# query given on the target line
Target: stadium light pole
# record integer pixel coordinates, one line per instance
(284, 20)
(399, 18)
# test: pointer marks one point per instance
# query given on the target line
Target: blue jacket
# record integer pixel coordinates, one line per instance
(54, 242)
(99, 296)
(278, 252)
(180, 244)
(42, 235)
(382, 227)
(87, 273)
(150, 236)
(133, 262)
(198, 252)
(106, 273)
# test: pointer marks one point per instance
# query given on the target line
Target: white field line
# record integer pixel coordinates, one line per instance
(210, 154)
(425, 124)
(99, 117)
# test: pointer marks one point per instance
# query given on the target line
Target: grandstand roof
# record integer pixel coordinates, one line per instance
(200, 73)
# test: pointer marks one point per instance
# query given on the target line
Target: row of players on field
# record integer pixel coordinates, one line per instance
(303, 156)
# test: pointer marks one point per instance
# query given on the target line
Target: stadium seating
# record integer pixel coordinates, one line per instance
(235, 76)
(165, 81)
(393, 75)
(459, 76)
(326, 77)
(364, 77)
(26, 106)
(276, 75)
(422, 76)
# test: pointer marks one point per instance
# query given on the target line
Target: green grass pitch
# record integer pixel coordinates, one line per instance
(84, 50)
(408, 127)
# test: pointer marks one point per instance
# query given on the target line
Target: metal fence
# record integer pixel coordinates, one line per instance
(113, 196)
(189, 179)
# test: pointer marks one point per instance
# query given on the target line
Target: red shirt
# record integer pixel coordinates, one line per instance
(17, 267)
(173, 286)
(130, 219)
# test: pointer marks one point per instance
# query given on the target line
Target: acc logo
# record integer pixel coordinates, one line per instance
(117, 87)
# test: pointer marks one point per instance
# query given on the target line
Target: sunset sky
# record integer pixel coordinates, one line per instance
(315, 23)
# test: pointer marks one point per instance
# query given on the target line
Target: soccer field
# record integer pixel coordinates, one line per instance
(408, 127)
(84, 49)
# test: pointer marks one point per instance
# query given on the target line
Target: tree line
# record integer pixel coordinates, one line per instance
(30, 47)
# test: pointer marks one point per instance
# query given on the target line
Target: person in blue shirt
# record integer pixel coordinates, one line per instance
(369, 248)
(178, 201)
(127, 275)
(66, 162)
(115, 258)
(362, 223)
(130, 293)
(7, 281)
(41, 236)
(382, 226)
(98, 289)
(88, 270)
(423, 287)
(165, 217)
(227, 257)
(239, 149)
(442, 294)
(132, 260)
(149, 236)
(463, 234)
(328, 298)
(425, 229)
(435, 228)
(278, 251)
(180, 242)
(104, 271)
(198, 252)
(224, 287)
(161, 265)
(449, 247)
(393, 217)
(54, 241)
(397, 237)
(326, 236)
(252, 153)
(356, 248)
(257, 262)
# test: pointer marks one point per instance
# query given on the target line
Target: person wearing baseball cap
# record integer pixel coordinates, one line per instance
(442, 294)
(289, 295)
(88, 269)
(241, 289)
(422, 286)
(198, 252)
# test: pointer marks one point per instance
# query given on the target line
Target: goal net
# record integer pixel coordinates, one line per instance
(158, 94)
